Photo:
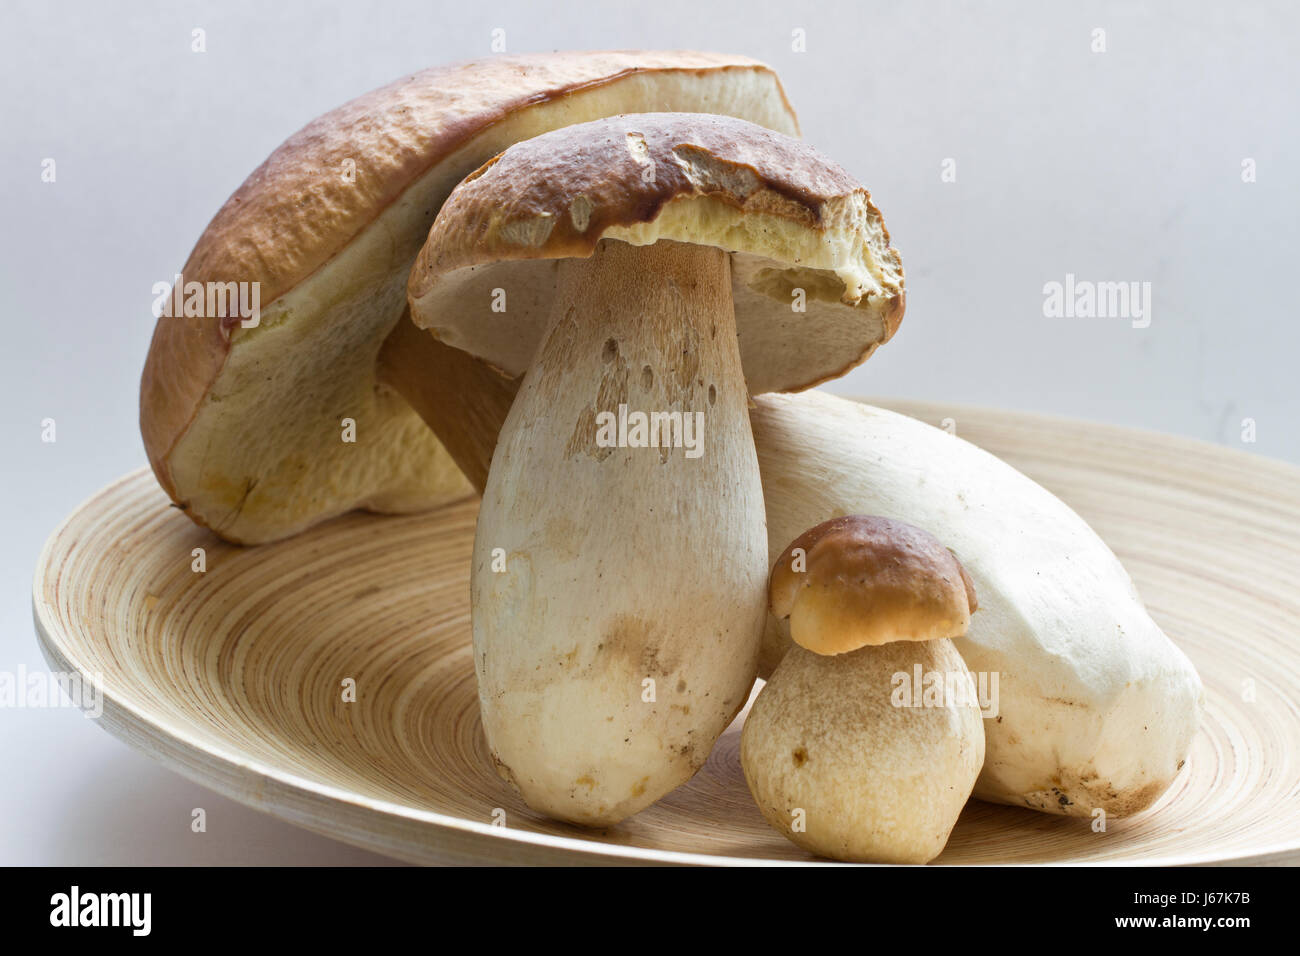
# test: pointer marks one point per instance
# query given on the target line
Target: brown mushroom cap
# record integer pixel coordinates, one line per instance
(864, 580)
(242, 425)
(800, 230)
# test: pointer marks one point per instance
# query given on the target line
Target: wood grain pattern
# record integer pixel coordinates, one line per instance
(233, 677)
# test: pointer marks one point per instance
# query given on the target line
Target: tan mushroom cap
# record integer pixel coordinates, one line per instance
(864, 580)
(801, 230)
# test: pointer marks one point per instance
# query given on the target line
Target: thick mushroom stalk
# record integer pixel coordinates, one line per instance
(638, 572)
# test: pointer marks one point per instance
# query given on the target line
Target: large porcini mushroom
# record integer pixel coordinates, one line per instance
(266, 408)
(620, 557)
(843, 753)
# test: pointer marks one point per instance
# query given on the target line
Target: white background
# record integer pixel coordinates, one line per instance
(1122, 165)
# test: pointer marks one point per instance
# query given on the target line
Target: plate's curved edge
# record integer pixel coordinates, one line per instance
(1239, 456)
(283, 795)
(272, 791)
(140, 731)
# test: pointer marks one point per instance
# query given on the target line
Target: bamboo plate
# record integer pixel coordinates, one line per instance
(233, 676)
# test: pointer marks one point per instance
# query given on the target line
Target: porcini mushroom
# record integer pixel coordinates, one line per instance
(1097, 706)
(842, 752)
(618, 579)
(260, 422)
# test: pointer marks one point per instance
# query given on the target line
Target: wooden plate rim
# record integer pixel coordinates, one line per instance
(276, 788)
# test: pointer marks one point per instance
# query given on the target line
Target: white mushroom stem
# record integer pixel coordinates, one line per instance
(619, 592)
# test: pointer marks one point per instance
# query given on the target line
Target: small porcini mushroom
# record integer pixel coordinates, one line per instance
(611, 261)
(843, 753)
(864, 580)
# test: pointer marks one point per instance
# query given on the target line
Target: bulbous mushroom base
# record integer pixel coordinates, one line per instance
(620, 559)
(847, 768)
